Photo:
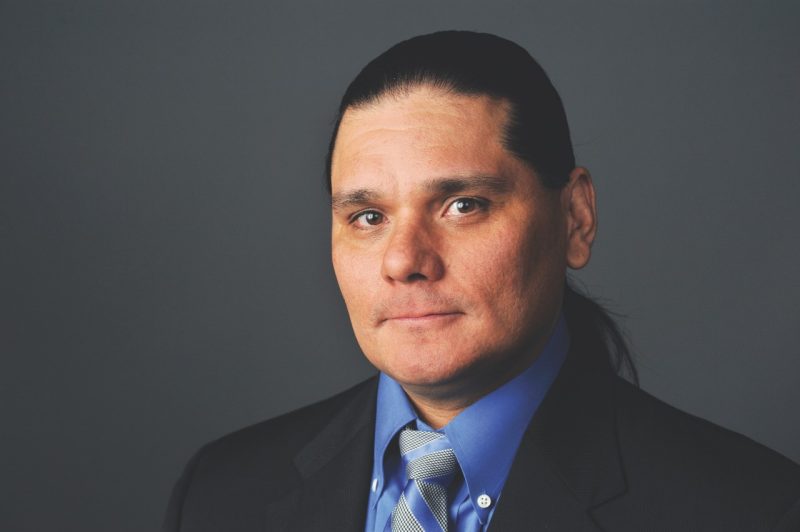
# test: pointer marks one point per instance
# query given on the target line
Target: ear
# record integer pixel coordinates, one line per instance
(581, 215)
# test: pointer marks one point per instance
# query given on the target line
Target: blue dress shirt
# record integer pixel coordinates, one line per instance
(485, 437)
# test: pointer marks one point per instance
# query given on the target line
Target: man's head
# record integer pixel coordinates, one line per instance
(456, 211)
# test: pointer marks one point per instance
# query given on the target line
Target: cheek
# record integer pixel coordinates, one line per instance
(512, 278)
(353, 276)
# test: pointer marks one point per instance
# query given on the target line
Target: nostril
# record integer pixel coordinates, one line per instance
(416, 277)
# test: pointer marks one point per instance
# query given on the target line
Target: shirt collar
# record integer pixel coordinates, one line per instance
(486, 435)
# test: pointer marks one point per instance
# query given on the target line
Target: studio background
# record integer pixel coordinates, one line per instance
(165, 228)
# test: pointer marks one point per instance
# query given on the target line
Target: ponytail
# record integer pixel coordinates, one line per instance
(593, 327)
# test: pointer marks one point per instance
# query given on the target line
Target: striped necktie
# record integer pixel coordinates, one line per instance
(430, 466)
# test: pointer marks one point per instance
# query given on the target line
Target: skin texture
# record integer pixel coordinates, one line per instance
(450, 254)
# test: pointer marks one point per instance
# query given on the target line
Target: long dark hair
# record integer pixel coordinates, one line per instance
(536, 131)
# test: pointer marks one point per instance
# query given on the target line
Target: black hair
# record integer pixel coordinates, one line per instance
(466, 62)
(536, 131)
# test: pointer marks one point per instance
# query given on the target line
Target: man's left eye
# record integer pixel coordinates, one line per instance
(463, 206)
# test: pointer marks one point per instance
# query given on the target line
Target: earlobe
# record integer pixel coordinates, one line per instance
(581, 217)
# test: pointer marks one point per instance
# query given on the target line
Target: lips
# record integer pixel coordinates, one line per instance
(417, 308)
(422, 316)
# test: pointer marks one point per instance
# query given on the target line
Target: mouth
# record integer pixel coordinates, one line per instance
(423, 318)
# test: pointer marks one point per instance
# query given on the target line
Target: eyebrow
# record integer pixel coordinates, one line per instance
(454, 185)
(342, 200)
(443, 186)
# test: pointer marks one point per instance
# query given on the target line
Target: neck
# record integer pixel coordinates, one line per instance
(436, 413)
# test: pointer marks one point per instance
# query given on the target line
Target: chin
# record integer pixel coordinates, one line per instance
(425, 369)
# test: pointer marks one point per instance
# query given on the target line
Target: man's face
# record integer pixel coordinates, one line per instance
(449, 252)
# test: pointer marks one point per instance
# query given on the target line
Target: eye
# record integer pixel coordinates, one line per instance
(368, 218)
(464, 206)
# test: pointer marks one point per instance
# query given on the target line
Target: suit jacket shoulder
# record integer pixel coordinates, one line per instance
(673, 460)
(252, 479)
(602, 455)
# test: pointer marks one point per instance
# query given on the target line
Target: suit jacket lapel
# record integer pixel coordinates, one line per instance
(336, 467)
(568, 461)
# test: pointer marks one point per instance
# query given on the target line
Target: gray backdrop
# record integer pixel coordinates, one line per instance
(164, 227)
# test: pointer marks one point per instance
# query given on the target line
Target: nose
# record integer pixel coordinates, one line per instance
(411, 255)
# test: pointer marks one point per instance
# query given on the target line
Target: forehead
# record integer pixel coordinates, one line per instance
(418, 134)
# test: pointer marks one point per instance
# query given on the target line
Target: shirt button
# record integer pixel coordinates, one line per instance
(374, 485)
(484, 501)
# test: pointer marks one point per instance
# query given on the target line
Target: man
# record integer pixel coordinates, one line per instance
(456, 210)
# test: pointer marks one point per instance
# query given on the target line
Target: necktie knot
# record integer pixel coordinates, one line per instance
(427, 456)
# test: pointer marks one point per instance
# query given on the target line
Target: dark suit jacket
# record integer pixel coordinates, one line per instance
(599, 455)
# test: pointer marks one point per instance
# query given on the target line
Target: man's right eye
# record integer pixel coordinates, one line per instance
(368, 218)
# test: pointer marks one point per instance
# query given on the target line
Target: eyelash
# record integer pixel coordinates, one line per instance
(481, 204)
(354, 218)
